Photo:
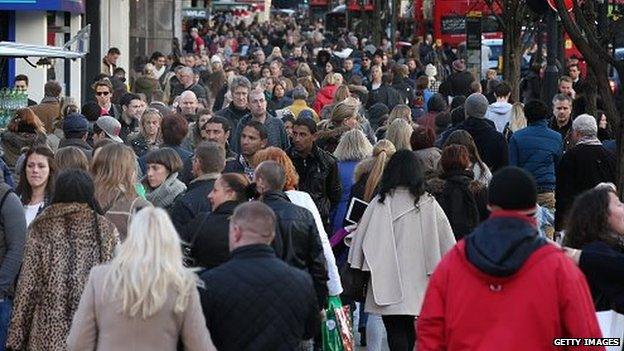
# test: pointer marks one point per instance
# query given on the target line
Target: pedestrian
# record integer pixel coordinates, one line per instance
(71, 157)
(298, 237)
(144, 296)
(63, 244)
(593, 238)
(23, 131)
(163, 188)
(514, 280)
(352, 148)
(480, 170)
(499, 112)
(36, 181)
(207, 233)
(399, 226)
(538, 149)
(463, 199)
(422, 142)
(317, 168)
(149, 136)
(49, 110)
(254, 137)
(344, 117)
(491, 144)
(303, 199)
(208, 163)
(517, 120)
(115, 178)
(584, 166)
(75, 130)
(236, 297)
(399, 133)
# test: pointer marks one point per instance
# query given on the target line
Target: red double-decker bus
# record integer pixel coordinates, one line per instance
(446, 19)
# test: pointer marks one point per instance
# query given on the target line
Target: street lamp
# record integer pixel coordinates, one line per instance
(551, 75)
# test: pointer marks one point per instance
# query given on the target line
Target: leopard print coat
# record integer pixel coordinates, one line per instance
(64, 242)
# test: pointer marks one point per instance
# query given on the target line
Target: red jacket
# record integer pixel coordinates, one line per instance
(466, 309)
(325, 96)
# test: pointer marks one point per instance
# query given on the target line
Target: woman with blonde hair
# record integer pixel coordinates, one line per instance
(325, 95)
(368, 172)
(517, 120)
(144, 297)
(149, 136)
(352, 148)
(400, 111)
(344, 117)
(303, 199)
(399, 133)
(114, 174)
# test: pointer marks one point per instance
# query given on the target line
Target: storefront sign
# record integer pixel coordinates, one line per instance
(195, 12)
(74, 6)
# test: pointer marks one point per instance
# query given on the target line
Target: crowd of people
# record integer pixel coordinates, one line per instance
(206, 201)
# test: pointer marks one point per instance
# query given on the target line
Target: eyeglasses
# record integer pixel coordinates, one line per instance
(102, 93)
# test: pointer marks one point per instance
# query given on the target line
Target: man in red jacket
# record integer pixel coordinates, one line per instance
(503, 287)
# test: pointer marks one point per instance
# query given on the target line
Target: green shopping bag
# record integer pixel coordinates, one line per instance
(332, 341)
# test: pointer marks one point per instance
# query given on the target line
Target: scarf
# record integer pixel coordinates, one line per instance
(588, 140)
(167, 192)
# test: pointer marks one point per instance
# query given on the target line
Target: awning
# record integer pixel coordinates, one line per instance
(12, 49)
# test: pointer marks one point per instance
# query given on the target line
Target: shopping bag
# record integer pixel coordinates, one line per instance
(612, 326)
(332, 341)
(343, 318)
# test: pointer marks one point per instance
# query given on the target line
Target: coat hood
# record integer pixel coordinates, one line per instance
(501, 245)
(500, 108)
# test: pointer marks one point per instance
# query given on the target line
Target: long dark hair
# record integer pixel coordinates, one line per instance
(404, 170)
(75, 185)
(588, 220)
(24, 190)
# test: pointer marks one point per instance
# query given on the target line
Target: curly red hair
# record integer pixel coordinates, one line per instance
(278, 155)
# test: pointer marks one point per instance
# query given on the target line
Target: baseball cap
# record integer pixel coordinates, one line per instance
(111, 127)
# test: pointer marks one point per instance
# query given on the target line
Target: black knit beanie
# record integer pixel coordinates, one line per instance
(512, 188)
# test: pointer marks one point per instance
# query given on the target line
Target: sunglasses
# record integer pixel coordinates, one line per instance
(102, 93)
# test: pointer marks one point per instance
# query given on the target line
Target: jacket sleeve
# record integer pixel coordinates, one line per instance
(194, 333)
(606, 265)
(83, 332)
(316, 263)
(236, 134)
(284, 137)
(14, 222)
(181, 215)
(430, 324)
(334, 190)
(445, 232)
(578, 316)
(34, 272)
(513, 151)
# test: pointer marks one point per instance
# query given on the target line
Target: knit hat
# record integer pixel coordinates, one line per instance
(111, 127)
(459, 65)
(431, 70)
(74, 123)
(476, 105)
(306, 114)
(512, 188)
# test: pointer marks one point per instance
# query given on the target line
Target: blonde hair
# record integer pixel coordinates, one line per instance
(114, 172)
(147, 115)
(400, 111)
(341, 93)
(353, 146)
(70, 157)
(399, 133)
(383, 150)
(149, 262)
(517, 120)
(332, 79)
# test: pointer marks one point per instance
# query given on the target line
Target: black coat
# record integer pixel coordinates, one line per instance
(463, 200)
(301, 244)
(255, 301)
(456, 84)
(491, 144)
(386, 94)
(603, 266)
(192, 203)
(207, 236)
(318, 176)
(581, 168)
(233, 115)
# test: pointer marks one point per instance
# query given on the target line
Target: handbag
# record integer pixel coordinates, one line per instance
(612, 326)
(336, 327)
(354, 282)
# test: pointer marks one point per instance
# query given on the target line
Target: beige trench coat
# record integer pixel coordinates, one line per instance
(400, 244)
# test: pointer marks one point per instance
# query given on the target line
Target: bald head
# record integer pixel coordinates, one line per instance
(252, 223)
(269, 176)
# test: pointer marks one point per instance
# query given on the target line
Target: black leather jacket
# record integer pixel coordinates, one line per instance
(318, 176)
(301, 244)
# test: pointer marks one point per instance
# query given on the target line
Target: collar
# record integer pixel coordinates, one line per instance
(207, 176)
(275, 195)
(253, 251)
(226, 207)
(518, 214)
(299, 102)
